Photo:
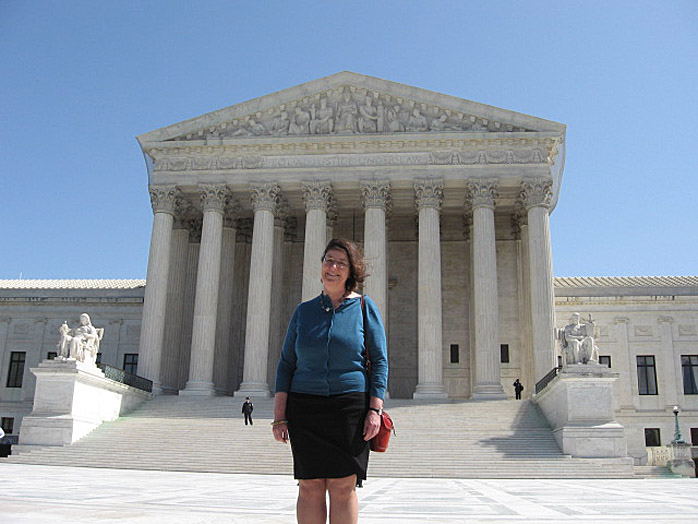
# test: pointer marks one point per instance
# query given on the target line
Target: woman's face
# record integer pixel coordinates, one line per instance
(335, 270)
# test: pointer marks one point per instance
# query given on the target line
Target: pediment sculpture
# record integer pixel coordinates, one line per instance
(349, 110)
(80, 343)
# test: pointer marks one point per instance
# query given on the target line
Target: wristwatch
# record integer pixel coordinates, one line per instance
(377, 410)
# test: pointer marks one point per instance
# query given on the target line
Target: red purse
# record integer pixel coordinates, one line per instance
(380, 442)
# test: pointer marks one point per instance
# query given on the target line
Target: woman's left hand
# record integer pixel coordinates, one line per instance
(371, 425)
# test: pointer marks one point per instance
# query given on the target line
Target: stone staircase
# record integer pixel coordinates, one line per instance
(466, 439)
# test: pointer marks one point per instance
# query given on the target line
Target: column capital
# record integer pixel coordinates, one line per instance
(265, 197)
(283, 211)
(428, 192)
(214, 197)
(536, 192)
(290, 228)
(375, 194)
(163, 198)
(231, 212)
(244, 230)
(184, 211)
(195, 225)
(317, 194)
(482, 192)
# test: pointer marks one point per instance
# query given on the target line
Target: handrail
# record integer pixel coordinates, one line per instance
(542, 383)
(119, 375)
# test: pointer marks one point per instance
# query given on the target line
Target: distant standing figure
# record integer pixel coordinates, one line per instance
(247, 409)
(518, 388)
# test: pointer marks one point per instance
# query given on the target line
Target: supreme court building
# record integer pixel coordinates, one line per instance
(451, 201)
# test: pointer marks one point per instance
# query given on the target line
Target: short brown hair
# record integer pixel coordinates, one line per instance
(357, 264)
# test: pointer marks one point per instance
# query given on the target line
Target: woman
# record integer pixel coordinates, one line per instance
(326, 403)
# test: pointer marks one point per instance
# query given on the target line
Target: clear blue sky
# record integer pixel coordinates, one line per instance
(80, 79)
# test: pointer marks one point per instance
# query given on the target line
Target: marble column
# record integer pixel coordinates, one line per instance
(195, 225)
(536, 195)
(4, 331)
(482, 194)
(214, 198)
(316, 196)
(169, 371)
(332, 216)
(624, 366)
(375, 195)
(265, 198)
(162, 199)
(525, 352)
(668, 365)
(428, 199)
(225, 302)
(279, 317)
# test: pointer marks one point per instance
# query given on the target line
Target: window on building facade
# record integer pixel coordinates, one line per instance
(646, 375)
(15, 376)
(504, 353)
(98, 358)
(131, 363)
(605, 360)
(455, 357)
(8, 425)
(51, 355)
(652, 437)
(689, 367)
(694, 436)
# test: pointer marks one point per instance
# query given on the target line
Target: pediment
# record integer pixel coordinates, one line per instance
(349, 104)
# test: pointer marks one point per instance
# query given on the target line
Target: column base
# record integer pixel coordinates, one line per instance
(488, 392)
(430, 392)
(198, 389)
(253, 389)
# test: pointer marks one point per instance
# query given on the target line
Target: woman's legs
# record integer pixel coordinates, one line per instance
(311, 507)
(344, 504)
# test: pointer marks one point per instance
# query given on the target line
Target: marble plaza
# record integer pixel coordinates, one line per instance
(33, 495)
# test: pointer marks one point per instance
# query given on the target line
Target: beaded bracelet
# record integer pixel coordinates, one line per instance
(279, 422)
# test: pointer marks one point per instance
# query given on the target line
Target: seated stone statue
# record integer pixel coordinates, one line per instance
(80, 343)
(578, 342)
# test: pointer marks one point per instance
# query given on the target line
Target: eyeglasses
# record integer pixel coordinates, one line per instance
(329, 262)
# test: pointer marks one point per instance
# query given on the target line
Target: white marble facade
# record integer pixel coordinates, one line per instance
(410, 174)
(451, 200)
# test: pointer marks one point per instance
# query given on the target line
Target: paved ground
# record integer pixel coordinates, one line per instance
(60, 495)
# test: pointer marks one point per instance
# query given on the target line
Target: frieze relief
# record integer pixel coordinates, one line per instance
(482, 157)
(350, 110)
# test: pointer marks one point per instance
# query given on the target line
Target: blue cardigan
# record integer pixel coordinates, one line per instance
(324, 350)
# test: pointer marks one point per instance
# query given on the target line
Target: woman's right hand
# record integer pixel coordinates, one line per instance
(281, 433)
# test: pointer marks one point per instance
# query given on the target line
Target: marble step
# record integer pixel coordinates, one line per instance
(453, 439)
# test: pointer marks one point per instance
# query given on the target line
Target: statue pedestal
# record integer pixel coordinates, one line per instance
(71, 399)
(681, 462)
(579, 406)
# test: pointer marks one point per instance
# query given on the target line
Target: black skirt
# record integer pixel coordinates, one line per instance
(327, 435)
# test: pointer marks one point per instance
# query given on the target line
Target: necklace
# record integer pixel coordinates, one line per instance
(331, 306)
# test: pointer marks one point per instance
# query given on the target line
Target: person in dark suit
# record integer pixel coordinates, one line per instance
(518, 388)
(247, 409)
